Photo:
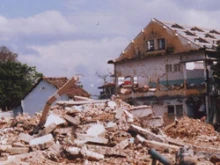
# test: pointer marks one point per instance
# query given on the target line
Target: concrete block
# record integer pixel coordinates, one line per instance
(119, 113)
(93, 139)
(72, 120)
(47, 129)
(155, 122)
(53, 118)
(139, 138)
(146, 133)
(123, 144)
(111, 126)
(42, 142)
(90, 154)
(141, 111)
(25, 137)
(74, 151)
(96, 130)
(18, 150)
(64, 130)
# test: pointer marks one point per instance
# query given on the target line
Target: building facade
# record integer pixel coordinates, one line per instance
(169, 66)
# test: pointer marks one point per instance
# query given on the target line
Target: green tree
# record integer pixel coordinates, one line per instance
(16, 79)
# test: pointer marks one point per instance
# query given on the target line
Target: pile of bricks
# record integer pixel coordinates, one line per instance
(92, 132)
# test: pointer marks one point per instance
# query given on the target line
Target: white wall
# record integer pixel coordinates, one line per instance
(37, 98)
(152, 68)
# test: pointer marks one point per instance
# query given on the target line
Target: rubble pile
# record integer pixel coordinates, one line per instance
(191, 128)
(99, 132)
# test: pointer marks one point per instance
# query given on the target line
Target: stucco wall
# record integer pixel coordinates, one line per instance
(37, 98)
(150, 69)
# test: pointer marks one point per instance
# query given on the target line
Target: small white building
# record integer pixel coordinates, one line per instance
(37, 97)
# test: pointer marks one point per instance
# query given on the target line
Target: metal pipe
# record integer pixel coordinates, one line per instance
(157, 156)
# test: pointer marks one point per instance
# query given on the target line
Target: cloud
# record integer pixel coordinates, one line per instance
(82, 40)
(46, 24)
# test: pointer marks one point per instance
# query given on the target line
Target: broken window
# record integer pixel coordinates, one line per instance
(161, 43)
(170, 110)
(150, 45)
(176, 67)
(168, 68)
(179, 110)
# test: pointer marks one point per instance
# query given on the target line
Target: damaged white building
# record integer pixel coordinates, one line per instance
(169, 66)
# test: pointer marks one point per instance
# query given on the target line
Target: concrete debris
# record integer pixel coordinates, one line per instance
(89, 131)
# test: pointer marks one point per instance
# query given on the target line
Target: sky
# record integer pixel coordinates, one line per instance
(78, 37)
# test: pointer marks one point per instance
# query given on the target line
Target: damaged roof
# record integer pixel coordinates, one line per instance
(72, 91)
(197, 37)
(203, 37)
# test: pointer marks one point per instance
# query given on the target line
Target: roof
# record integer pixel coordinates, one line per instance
(199, 37)
(111, 84)
(203, 37)
(58, 82)
(72, 91)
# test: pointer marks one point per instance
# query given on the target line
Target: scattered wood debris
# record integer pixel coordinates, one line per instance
(105, 132)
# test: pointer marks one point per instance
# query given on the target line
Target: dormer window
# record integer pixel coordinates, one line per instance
(161, 43)
(150, 45)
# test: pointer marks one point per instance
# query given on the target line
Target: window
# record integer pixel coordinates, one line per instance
(161, 43)
(170, 109)
(176, 67)
(175, 110)
(179, 110)
(168, 68)
(150, 45)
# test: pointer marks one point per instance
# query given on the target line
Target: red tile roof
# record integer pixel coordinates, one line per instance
(72, 91)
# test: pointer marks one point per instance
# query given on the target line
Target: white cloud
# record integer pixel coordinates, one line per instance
(49, 23)
(77, 44)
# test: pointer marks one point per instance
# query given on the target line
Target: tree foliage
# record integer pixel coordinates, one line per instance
(16, 79)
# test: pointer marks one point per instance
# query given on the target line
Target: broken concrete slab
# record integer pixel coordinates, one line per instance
(53, 118)
(42, 142)
(141, 111)
(91, 155)
(73, 120)
(18, 150)
(119, 113)
(74, 151)
(123, 144)
(47, 129)
(139, 138)
(96, 130)
(25, 137)
(146, 133)
(65, 130)
(155, 122)
(111, 126)
(89, 138)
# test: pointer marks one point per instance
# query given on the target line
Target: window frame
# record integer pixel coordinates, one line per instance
(161, 43)
(150, 45)
(177, 67)
(168, 68)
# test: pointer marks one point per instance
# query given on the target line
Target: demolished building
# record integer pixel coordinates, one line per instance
(169, 66)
